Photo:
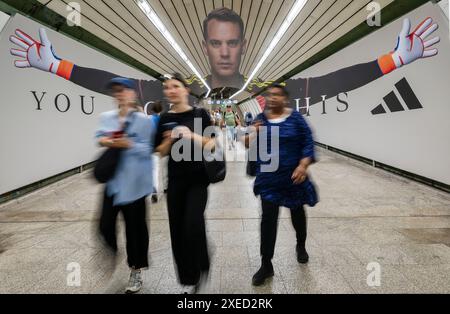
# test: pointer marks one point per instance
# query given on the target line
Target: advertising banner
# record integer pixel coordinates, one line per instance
(47, 119)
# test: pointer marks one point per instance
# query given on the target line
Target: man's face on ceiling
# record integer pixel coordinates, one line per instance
(224, 48)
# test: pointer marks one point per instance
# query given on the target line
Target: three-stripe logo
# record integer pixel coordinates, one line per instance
(394, 104)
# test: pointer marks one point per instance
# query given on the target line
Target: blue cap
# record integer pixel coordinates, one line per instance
(128, 83)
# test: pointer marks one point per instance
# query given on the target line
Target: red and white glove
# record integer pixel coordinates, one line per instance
(39, 55)
(411, 46)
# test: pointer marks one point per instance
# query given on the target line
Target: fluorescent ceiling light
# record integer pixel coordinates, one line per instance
(154, 18)
(298, 6)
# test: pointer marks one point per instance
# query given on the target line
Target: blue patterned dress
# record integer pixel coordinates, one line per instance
(295, 143)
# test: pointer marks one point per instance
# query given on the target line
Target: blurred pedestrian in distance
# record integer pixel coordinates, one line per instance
(158, 175)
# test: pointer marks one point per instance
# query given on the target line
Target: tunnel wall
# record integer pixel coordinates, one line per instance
(415, 140)
(39, 141)
(3, 19)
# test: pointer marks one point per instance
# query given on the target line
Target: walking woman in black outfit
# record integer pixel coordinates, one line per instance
(187, 193)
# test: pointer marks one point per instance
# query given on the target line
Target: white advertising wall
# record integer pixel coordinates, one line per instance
(37, 144)
(415, 140)
(445, 7)
(3, 19)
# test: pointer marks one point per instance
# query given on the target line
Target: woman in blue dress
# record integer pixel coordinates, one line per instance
(287, 184)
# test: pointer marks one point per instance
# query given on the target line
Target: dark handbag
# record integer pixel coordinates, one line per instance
(106, 165)
(251, 168)
(252, 165)
(216, 169)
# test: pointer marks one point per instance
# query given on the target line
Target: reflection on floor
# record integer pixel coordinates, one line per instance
(365, 215)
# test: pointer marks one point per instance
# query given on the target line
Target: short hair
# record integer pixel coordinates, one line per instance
(282, 87)
(175, 76)
(225, 15)
(156, 107)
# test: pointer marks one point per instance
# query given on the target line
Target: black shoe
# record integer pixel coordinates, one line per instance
(302, 255)
(265, 272)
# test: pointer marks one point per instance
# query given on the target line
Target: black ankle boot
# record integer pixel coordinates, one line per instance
(302, 255)
(264, 272)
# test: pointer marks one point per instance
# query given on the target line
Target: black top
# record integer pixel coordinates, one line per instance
(186, 169)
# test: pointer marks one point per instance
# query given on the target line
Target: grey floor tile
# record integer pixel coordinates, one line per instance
(365, 215)
(429, 278)
(302, 279)
(231, 256)
(238, 280)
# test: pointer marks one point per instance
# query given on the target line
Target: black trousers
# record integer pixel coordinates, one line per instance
(269, 226)
(136, 229)
(186, 203)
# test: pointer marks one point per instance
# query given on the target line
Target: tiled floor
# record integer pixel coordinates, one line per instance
(365, 215)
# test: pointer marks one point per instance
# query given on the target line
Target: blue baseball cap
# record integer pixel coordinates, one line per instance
(126, 82)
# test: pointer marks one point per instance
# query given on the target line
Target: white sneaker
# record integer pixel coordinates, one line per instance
(135, 281)
(203, 285)
(187, 289)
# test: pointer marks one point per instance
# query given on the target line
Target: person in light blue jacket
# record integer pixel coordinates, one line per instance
(133, 132)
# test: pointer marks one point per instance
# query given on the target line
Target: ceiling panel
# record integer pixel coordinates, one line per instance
(344, 20)
(122, 24)
(266, 30)
(297, 29)
(313, 18)
(177, 16)
(254, 26)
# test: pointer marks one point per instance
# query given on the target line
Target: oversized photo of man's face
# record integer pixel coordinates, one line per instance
(224, 44)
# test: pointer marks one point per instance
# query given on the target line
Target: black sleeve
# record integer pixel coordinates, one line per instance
(97, 80)
(159, 131)
(296, 88)
(343, 80)
(206, 120)
(92, 79)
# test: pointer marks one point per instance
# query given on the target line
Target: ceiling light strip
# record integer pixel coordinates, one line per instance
(154, 18)
(296, 9)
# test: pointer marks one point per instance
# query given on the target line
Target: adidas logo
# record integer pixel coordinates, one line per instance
(394, 104)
